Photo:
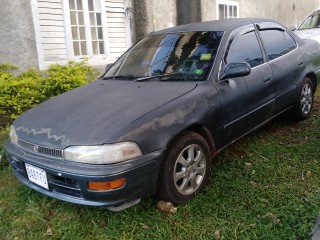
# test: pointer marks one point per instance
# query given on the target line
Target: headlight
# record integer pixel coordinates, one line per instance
(13, 135)
(103, 154)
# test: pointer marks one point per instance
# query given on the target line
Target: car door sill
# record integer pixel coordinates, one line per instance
(253, 129)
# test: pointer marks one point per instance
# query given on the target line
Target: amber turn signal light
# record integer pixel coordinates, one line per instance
(105, 186)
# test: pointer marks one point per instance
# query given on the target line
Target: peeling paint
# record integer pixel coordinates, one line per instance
(44, 131)
(174, 118)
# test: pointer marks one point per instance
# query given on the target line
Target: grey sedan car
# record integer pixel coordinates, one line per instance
(155, 120)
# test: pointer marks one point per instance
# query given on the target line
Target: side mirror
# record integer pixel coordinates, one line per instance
(108, 66)
(234, 70)
(292, 28)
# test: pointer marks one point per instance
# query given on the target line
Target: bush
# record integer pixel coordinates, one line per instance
(18, 93)
(22, 92)
(61, 78)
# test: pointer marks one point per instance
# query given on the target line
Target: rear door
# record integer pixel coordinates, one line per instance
(285, 60)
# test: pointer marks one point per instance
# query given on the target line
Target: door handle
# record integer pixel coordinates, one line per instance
(267, 79)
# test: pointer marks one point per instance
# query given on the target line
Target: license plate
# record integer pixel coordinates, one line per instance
(37, 175)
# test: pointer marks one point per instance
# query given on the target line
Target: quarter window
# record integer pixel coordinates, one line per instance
(86, 27)
(275, 43)
(291, 43)
(246, 48)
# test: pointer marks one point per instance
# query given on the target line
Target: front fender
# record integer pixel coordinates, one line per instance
(155, 130)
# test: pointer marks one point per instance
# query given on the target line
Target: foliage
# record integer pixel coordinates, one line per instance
(6, 67)
(19, 93)
(61, 78)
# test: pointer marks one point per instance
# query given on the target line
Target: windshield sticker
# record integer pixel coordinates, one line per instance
(198, 71)
(205, 56)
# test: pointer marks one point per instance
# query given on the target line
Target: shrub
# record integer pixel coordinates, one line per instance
(6, 67)
(22, 92)
(61, 78)
(18, 94)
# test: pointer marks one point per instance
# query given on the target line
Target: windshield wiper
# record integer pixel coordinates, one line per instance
(160, 76)
(120, 77)
(141, 79)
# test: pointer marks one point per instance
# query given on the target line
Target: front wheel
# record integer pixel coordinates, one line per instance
(186, 169)
(303, 106)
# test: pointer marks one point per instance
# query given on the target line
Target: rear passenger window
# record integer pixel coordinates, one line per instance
(245, 48)
(275, 43)
(291, 43)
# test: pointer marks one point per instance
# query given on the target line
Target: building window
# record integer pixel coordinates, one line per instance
(86, 27)
(227, 9)
(96, 27)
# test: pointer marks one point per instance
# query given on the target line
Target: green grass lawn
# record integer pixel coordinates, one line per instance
(265, 186)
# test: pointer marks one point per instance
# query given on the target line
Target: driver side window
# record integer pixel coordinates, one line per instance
(245, 48)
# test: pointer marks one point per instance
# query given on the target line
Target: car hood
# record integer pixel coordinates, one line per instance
(95, 113)
(313, 33)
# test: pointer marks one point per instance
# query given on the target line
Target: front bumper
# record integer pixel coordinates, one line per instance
(68, 180)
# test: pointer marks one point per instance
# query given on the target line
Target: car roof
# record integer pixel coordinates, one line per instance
(216, 25)
(316, 11)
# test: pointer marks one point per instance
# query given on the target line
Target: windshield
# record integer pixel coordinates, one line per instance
(312, 21)
(171, 56)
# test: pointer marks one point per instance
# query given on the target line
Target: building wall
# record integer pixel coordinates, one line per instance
(148, 13)
(153, 15)
(36, 33)
(17, 41)
(118, 21)
(189, 11)
(208, 10)
(289, 12)
(163, 13)
(54, 33)
(51, 32)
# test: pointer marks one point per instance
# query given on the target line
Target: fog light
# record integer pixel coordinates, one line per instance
(105, 186)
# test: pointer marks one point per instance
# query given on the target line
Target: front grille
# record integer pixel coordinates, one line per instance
(49, 151)
(40, 149)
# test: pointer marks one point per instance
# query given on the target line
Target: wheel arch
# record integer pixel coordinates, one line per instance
(313, 78)
(202, 131)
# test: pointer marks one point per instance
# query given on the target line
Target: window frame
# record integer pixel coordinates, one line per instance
(285, 41)
(238, 36)
(238, 33)
(296, 44)
(227, 3)
(89, 40)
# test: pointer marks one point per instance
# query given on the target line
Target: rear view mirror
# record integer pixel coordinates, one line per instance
(234, 70)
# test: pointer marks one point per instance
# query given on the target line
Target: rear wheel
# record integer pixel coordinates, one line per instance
(303, 106)
(186, 169)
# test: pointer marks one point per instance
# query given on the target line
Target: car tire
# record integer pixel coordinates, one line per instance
(303, 106)
(185, 170)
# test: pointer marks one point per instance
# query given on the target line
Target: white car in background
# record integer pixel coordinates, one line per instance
(310, 26)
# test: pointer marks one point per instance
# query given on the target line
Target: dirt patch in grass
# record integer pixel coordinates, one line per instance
(316, 103)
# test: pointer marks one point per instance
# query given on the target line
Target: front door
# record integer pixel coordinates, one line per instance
(246, 101)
